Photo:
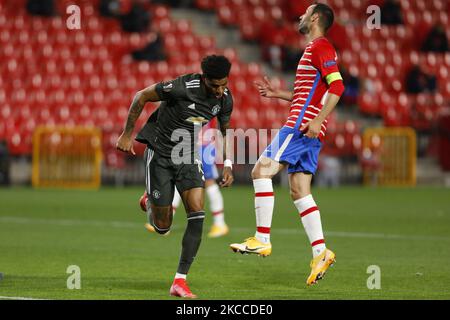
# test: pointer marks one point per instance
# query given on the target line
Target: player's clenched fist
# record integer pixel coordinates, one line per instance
(125, 144)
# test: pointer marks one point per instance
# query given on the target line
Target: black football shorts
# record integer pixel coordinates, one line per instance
(162, 175)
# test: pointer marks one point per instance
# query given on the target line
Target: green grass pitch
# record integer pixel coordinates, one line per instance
(406, 232)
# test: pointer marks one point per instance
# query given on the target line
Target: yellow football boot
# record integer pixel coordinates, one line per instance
(218, 231)
(319, 265)
(254, 246)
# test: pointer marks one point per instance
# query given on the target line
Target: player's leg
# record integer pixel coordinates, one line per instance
(160, 193)
(190, 184)
(219, 227)
(300, 178)
(272, 161)
(144, 200)
(194, 204)
(145, 205)
(300, 189)
(263, 172)
(176, 201)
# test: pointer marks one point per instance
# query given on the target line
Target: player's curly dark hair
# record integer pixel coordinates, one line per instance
(216, 67)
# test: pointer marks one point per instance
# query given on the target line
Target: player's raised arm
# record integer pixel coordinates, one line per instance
(313, 127)
(325, 60)
(125, 141)
(268, 90)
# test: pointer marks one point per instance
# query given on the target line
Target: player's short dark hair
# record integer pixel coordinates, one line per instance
(326, 15)
(216, 67)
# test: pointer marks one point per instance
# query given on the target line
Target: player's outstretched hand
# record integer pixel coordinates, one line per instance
(265, 88)
(227, 177)
(125, 144)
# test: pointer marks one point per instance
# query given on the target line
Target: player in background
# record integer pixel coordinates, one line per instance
(317, 89)
(171, 156)
(208, 151)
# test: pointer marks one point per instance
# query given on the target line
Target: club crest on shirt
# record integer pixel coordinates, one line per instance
(215, 110)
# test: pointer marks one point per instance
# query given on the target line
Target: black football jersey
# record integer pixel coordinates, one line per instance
(186, 106)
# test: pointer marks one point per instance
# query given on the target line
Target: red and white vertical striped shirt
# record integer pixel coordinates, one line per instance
(316, 70)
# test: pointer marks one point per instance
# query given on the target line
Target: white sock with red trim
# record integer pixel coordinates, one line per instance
(310, 214)
(216, 204)
(264, 203)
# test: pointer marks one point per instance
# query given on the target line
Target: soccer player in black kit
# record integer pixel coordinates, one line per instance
(171, 156)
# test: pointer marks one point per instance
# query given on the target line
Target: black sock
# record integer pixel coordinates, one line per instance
(191, 241)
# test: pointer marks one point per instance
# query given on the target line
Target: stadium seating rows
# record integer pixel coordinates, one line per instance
(379, 57)
(53, 76)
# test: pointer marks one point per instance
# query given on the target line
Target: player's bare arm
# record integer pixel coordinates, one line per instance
(125, 141)
(268, 90)
(227, 174)
(313, 127)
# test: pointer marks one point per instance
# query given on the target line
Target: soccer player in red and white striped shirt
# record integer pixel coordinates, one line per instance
(317, 90)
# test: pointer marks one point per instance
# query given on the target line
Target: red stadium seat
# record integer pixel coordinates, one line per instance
(369, 104)
(66, 75)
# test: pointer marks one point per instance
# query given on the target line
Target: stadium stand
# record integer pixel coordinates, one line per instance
(55, 76)
(51, 75)
(380, 58)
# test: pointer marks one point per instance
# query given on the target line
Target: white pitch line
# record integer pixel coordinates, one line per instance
(345, 234)
(18, 298)
(283, 231)
(70, 222)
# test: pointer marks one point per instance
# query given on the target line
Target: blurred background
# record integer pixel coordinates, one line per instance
(65, 94)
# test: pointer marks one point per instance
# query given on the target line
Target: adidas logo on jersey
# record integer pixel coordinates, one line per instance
(193, 84)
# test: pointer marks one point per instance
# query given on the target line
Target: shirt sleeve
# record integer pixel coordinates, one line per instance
(172, 89)
(324, 58)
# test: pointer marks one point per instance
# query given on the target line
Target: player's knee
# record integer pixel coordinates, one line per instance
(161, 227)
(256, 174)
(299, 192)
(162, 219)
(264, 170)
(196, 206)
(162, 231)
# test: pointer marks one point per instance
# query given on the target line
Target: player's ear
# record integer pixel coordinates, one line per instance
(314, 17)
